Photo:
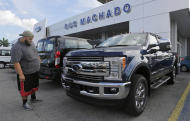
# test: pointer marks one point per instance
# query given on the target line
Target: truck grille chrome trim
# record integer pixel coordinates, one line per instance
(84, 77)
(85, 70)
(85, 59)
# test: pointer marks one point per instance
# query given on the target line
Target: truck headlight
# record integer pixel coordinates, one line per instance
(117, 65)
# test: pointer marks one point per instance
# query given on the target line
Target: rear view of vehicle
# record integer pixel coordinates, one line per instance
(52, 50)
(5, 56)
(185, 64)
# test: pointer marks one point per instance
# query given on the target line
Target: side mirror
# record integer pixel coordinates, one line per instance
(151, 46)
(165, 46)
(153, 50)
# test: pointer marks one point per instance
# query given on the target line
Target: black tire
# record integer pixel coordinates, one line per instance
(172, 76)
(2, 65)
(57, 78)
(184, 68)
(135, 106)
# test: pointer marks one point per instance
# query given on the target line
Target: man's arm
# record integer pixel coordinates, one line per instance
(19, 71)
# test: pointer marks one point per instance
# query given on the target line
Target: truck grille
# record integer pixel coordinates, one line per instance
(85, 77)
(92, 59)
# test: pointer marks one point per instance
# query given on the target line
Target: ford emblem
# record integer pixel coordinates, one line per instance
(77, 67)
(38, 29)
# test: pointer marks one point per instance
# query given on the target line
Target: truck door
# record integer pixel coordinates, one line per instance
(154, 59)
(167, 62)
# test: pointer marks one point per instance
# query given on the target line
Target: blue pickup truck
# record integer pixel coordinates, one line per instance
(121, 70)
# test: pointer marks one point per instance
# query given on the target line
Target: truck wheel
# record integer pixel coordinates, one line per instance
(184, 68)
(138, 95)
(2, 65)
(172, 76)
(58, 78)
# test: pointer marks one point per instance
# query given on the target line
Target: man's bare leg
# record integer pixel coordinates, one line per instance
(25, 104)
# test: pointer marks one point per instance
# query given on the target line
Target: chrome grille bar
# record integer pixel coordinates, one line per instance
(92, 59)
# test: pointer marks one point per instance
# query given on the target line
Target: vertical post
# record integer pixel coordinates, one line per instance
(185, 46)
(174, 36)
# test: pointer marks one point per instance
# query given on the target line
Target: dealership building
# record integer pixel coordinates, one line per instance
(167, 18)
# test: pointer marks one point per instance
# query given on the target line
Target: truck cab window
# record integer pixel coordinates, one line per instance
(5, 53)
(40, 46)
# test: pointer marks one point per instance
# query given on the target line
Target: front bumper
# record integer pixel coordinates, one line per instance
(123, 88)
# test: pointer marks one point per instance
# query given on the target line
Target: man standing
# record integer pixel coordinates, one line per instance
(26, 61)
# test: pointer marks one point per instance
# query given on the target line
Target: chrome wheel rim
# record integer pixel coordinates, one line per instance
(140, 96)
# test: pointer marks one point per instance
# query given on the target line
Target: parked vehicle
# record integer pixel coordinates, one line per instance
(185, 64)
(5, 56)
(52, 50)
(121, 69)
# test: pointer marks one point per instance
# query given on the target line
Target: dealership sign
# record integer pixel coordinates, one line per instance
(99, 16)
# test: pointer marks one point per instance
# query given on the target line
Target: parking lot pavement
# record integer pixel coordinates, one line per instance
(56, 106)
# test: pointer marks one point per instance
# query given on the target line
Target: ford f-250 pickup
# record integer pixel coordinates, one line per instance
(124, 68)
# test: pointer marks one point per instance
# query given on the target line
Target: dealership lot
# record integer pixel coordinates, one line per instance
(56, 106)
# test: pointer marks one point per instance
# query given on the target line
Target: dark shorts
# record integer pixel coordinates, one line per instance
(30, 85)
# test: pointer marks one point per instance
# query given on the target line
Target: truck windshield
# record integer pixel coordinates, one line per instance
(136, 39)
(45, 45)
(48, 45)
(40, 46)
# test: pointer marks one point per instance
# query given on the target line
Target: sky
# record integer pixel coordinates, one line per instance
(19, 15)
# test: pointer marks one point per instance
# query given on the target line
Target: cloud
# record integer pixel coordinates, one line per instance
(9, 18)
(83, 5)
(89, 3)
(3, 5)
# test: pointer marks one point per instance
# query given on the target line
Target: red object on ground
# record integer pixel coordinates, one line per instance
(23, 93)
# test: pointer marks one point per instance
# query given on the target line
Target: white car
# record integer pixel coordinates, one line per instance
(5, 56)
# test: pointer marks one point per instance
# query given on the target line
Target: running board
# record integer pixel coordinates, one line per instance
(160, 82)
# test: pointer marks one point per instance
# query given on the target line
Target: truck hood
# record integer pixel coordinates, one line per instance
(108, 52)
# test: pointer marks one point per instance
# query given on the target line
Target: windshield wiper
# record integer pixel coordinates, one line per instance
(101, 46)
(117, 45)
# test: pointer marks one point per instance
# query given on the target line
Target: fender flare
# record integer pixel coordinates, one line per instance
(139, 65)
(148, 77)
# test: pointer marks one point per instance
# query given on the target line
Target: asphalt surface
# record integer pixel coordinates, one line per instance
(56, 106)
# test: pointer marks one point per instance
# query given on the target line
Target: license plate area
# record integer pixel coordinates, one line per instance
(73, 88)
(76, 88)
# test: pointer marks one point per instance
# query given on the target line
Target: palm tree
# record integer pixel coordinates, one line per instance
(4, 42)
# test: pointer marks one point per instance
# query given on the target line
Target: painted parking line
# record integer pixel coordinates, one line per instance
(178, 109)
(185, 113)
